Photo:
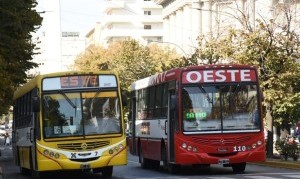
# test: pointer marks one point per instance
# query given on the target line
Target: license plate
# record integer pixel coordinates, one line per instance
(223, 161)
(85, 166)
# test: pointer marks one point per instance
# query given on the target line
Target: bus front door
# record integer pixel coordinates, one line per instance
(171, 125)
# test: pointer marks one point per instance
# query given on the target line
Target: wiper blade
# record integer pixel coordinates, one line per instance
(205, 93)
(67, 98)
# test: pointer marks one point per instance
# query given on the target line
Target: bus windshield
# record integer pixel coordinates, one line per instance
(220, 108)
(78, 114)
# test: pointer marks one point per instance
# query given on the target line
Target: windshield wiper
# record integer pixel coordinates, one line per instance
(207, 95)
(67, 98)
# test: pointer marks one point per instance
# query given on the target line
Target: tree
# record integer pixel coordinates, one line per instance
(272, 46)
(17, 21)
(129, 59)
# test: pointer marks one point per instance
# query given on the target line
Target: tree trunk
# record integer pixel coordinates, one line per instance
(270, 131)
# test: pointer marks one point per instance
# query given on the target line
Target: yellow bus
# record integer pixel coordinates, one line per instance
(69, 121)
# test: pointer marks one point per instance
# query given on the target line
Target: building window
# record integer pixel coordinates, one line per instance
(147, 13)
(147, 0)
(147, 27)
(70, 34)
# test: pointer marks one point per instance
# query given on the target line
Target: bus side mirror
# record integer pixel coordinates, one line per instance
(36, 104)
(173, 103)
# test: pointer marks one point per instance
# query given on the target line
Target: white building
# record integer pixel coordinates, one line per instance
(57, 58)
(48, 37)
(128, 19)
(72, 44)
(56, 50)
(185, 20)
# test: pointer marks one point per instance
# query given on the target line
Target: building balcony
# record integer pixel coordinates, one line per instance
(151, 19)
(107, 34)
(152, 33)
(117, 19)
(150, 5)
(114, 4)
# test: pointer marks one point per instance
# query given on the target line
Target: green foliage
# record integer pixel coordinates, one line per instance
(17, 21)
(129, 59)
(288, 149)
(212, 50)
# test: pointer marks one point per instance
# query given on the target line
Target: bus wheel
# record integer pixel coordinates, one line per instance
(145, 163)
(238, 167)
(171, 168)
(107, 171)
(24, 171)
(37, 174)
(155, 164)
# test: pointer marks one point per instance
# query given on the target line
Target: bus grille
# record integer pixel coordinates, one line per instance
(80, 146)
(85, 160)
(220, 141)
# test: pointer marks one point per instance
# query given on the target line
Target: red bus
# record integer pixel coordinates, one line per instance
(198, 116)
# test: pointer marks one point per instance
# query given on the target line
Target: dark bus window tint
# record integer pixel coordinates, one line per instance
(158, 100)
(164, 112)
(151, 97)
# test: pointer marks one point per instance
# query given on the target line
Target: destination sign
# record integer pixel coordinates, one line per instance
(217, 76)
(79, 81)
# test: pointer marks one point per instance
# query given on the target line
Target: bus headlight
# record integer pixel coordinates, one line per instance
(46, 152)
(259, 142)
(121, 146)
(111, 151)
(56, 155)
(184, 145)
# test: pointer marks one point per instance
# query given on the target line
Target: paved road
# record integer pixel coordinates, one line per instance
(133, 171)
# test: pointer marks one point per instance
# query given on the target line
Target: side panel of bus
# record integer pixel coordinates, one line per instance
(23, 142)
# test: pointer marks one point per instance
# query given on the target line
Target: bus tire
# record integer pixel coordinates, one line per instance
(107, 171)
(37, 175)
(173, 168)
(238, 167)
(145, 163)
(24, 171)
(155, 164)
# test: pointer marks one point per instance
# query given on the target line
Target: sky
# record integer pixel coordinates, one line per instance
(76, 15)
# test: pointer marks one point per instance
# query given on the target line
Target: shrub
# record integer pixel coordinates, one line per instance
(287, 149)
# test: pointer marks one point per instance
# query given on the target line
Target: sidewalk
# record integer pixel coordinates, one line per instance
(281, 163)
(6, 159)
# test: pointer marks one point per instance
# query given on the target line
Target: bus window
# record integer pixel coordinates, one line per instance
(61, 118)
(200, 110)
(239, 104)
(220, 108)
(101, 113)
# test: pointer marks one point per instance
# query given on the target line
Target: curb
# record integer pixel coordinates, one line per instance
(280, 164)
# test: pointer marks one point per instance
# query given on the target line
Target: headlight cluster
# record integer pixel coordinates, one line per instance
(51, 154)
(116, 149)
(258, 143)
(189, 147)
